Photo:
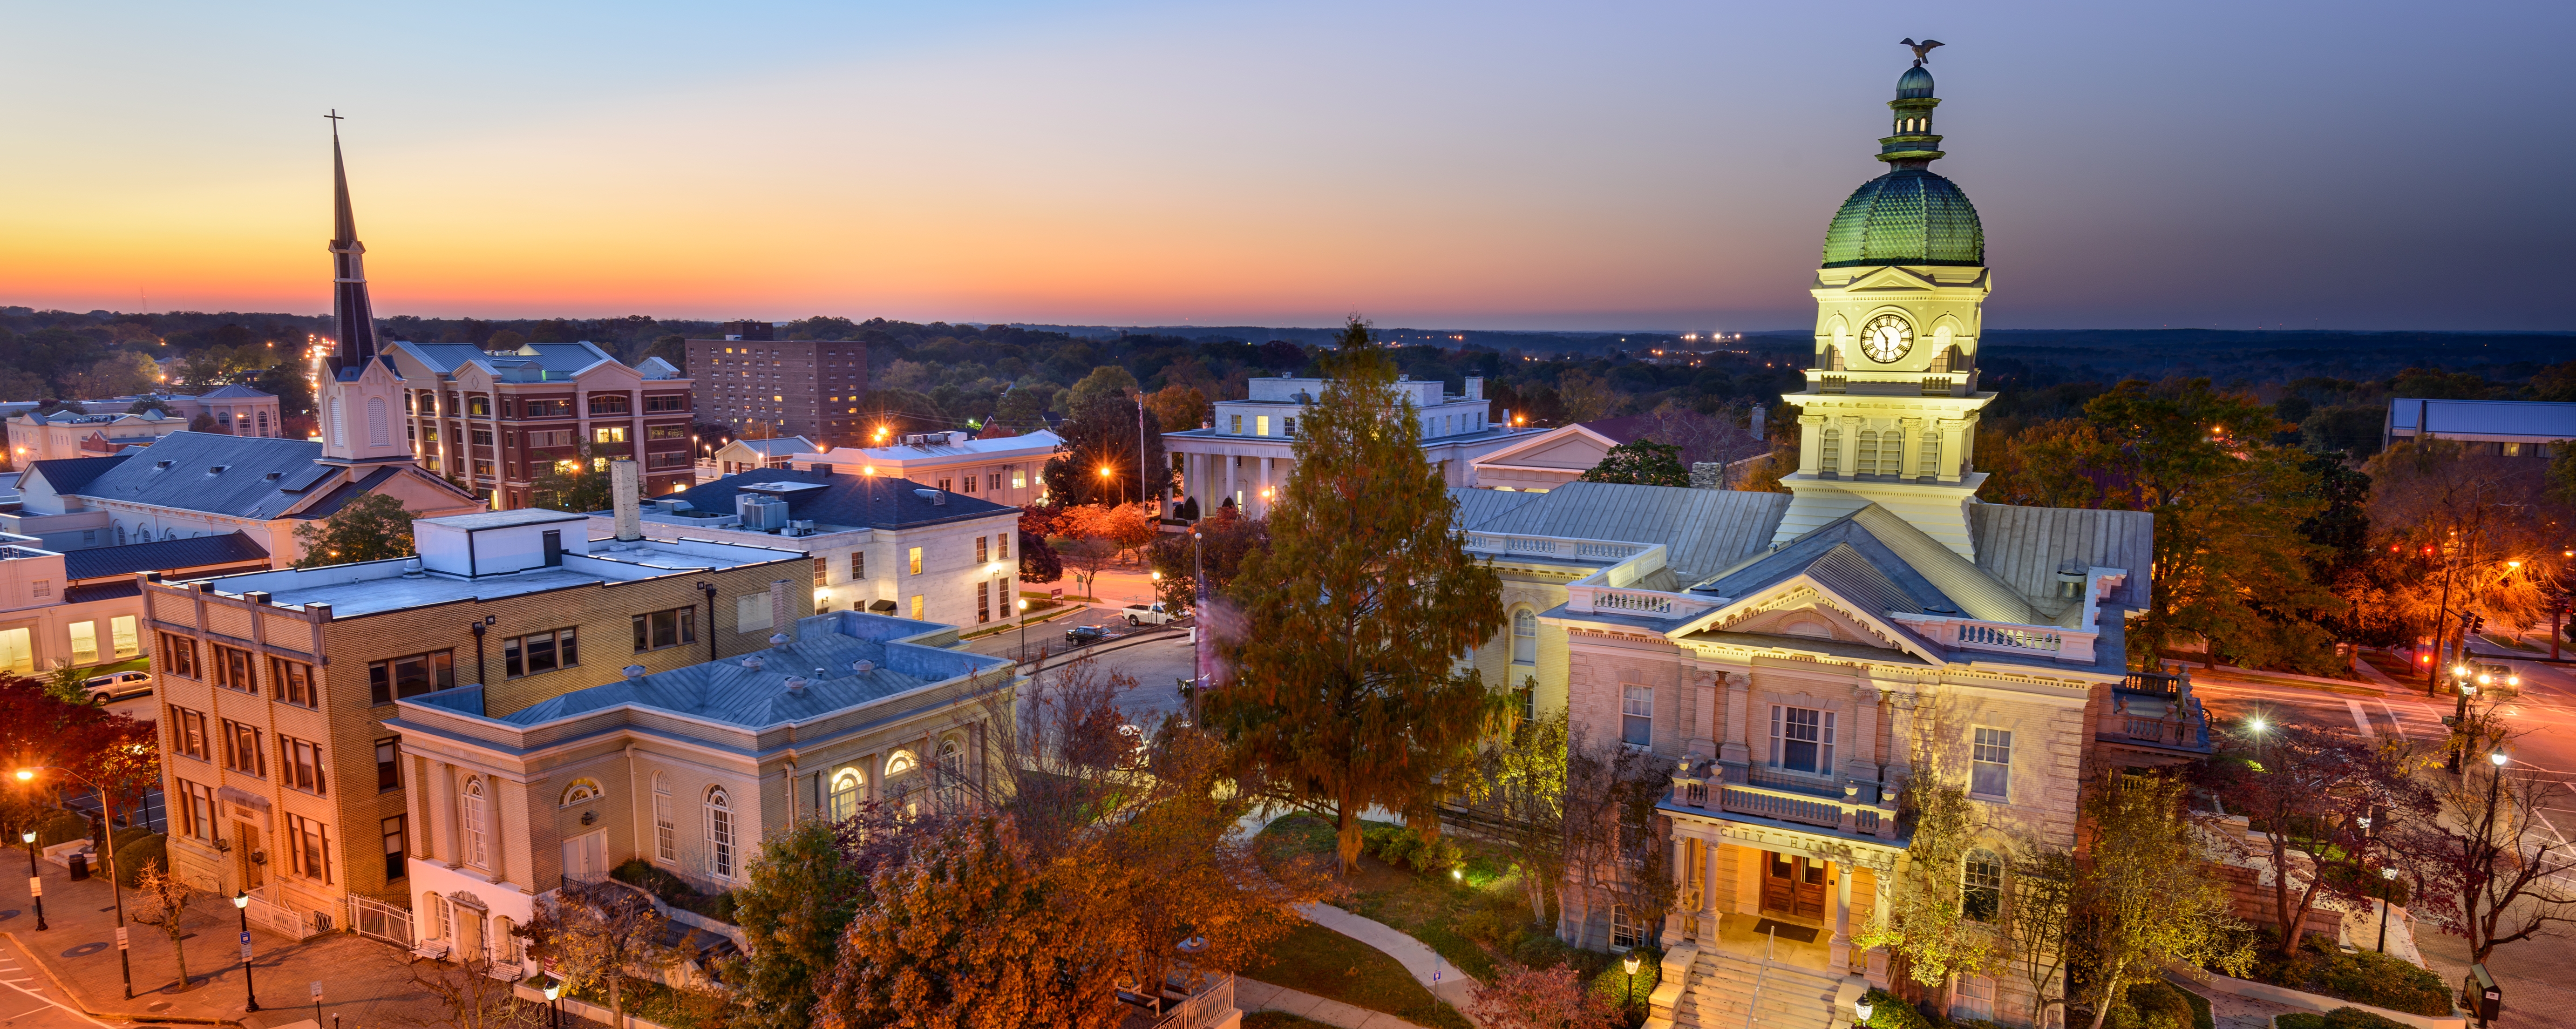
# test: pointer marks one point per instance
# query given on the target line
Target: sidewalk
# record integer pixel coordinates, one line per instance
(367, 982)
(1434, 972)
(1252, 995)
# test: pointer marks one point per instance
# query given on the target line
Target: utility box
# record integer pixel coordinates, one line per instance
(2478, 991)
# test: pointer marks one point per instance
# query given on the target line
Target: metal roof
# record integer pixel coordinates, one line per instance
(2509, 420)
(1702, 530)
(874, 501)
(162, 556)
(2023, 546)
(69, 474)
(257, 477)
(1477, 506)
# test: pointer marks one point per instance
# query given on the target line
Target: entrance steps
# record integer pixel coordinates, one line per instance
(1737, 991)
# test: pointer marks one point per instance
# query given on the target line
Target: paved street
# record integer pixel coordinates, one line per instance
(2533, 973)
(28, 1001)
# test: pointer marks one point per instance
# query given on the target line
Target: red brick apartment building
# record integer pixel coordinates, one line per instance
(773, 387)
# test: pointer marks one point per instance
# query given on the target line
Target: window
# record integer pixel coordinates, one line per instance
(1981, 886)
(179, 655)
(539, 652)
(1524, 637)
(970, 484)
(397, 844)
(1527, 699)
(44, 588)
(197, 810)
(1802, 739)
(388, 765)
(1290, 423)
(608, 403)
(608, 434)
(1975, 998)
(913, 560)
(481, 437)
(1001, 546)
(676, 627)
(719, 833)
(1234, 425)
(666, 833)
(916, 607)
(858, 565)
(388, 681)
(122, 635)
(1624, 930)
(243, 751)
(666, 432)
(983, 602)
(294, 681)
(1261, 425)
(551, 438)
(1829, 454)
(1990, 764)
(308, 848)
(548, 408)
(84, 642)
(232, 669)
(300, 764)
(993, 482)
(582, 791)
(673, 459)
(944, 486)
(1019, 478)
(983, 549)
(188, 733)
(479, 407)
(476, 819)
(1637, 715)
(672, 402)
(845, 793)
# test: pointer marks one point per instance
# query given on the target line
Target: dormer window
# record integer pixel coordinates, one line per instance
(217, 469)
(160, 465)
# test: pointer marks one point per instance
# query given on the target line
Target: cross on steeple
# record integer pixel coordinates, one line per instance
(335, 122)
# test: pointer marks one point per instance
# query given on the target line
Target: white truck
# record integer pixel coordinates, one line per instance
(1148, 614)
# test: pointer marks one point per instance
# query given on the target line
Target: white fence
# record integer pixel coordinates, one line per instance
(380, 920)
(283, 920)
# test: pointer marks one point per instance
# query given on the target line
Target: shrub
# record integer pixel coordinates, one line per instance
(1621, 990)
(1888, 1012)
(1539, 950)
(149, 848)
(2376, 979)
(674, 891)
(118, 839)
(61, 827)
(2153, 1004)
(2339, 1018)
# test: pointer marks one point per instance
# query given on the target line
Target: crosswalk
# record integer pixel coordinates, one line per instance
(24, 1003)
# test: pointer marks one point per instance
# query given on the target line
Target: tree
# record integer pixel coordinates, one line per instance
(151, 404)
(581, 484)
(2307, 791)
(967, 934)
(1178, 407)
(41, 728)
(1615, 846)
(2035, 923)
(468, 997)
(2488, 869)
(161, 901)
(1539, 998)
(1520, 789)
(294, 392)
(2054, 463)
(1038, 561)
(1101, 437)
(1585, 396)
(1218, 543)
(1641, 462)
(802, 892)
(1108, 380)
(2144, 901)
(596, 934)
(206, 423)
(372, 527)
(2462, 531)
(1929, 929)
(1346, 694)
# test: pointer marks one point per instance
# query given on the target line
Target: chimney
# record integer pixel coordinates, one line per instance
(782, 610)
(625, 488)
(1475, 387)
(1758, 412)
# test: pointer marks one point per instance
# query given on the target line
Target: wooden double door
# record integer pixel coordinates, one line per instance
(1793, 886)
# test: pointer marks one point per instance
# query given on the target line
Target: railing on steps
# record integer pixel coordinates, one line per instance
(1203, 1009)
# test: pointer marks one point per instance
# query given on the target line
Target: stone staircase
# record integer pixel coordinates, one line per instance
(1716, 989)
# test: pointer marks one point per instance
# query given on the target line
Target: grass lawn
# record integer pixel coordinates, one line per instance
(1468, 919)
(1279, 1020)
(1328, 964)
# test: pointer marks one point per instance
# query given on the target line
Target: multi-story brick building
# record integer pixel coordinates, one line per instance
(782, 387)
(496, 421)
(280, 772)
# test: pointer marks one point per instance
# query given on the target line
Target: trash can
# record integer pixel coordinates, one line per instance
(2478, 991)
(80, 865)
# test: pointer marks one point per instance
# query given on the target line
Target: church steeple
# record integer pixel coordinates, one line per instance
(356, 318)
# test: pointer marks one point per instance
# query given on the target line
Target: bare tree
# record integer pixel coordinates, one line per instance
(2488, 869)
(161, 901)
(2036, 919)
(597, 934)
(2308, 792)
(1616, 847)
(468, 997)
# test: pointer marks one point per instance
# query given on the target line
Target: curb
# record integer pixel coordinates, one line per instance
(83, 1005)
(1061, 658)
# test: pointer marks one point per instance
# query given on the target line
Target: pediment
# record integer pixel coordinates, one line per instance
(1794, 608)
(1573, 453)
(1891, 278)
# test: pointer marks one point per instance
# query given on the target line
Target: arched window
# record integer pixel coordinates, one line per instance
(1865, 456)
(952, 775)
(1981, 886)
(338, 435)
(1524, 637)
(379, 428)
(899, 780)
(476, 812)
(582, 791)
(666, 831)
(844, 801)
(505, 944)
(719, 833)
(899, 762)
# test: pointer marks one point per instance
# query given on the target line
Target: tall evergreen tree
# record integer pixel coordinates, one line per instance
(1346, 693)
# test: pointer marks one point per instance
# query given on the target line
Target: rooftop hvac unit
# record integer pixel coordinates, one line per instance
(759, 512)
(800, 527)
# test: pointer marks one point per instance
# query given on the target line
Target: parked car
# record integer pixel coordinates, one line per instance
(117, 686)
(1082, 635)
(1148, 614)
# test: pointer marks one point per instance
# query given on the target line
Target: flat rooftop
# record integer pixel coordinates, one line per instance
(375, 587)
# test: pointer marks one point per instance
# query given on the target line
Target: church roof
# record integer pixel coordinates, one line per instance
(162, 556)
(236, 476)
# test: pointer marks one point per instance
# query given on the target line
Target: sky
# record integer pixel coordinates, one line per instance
(2353, 165)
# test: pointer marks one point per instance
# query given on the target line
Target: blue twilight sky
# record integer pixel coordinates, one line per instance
(2240, 165)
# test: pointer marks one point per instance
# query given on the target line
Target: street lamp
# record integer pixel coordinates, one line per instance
(2386, 876)
(554, 1011)
(1024, 629)
(35, 881)
(241, 905)
(1860, 1010)
(124, 957)
(1631, 962)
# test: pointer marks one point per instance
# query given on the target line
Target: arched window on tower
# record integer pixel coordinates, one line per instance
(1928, 457)
(1524, 637)
(1865, 456)
(1829, 452)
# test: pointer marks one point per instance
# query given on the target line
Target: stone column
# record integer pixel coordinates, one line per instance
(1811, 434)
(440, 798)
(1266, 486)
(1839, 960)
(1227, 459)
(1734, 747)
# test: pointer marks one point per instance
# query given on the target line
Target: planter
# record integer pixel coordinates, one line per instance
(2306, 1001)
(582, 1008)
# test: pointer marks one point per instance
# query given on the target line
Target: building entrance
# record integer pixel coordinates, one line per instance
(1793, 886)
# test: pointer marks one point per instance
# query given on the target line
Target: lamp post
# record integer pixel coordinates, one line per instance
(554, 1010)
(250, 996)
(2386, 876)
(124, 957)
(1024, 629)
(1631, 962)
(35, 881)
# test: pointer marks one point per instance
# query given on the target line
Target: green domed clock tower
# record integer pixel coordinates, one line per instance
(1889, 413)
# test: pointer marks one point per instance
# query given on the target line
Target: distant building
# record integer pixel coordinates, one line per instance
(1000, 469)
(686, 769)
(2499, 428)
(498, 420)
(813, 388)
(743, 455)
(236, 409)
(84, 608)
(1249, 448)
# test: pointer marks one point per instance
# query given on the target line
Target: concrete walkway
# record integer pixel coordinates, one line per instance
(1434, 972)
(1251, 995)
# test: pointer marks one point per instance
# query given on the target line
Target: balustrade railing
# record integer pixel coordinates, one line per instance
(1803, 805)
(1204, 1008)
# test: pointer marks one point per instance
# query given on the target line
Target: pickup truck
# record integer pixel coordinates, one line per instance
(1147, 614)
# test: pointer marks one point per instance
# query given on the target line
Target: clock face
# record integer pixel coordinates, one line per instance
(1886, 338)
